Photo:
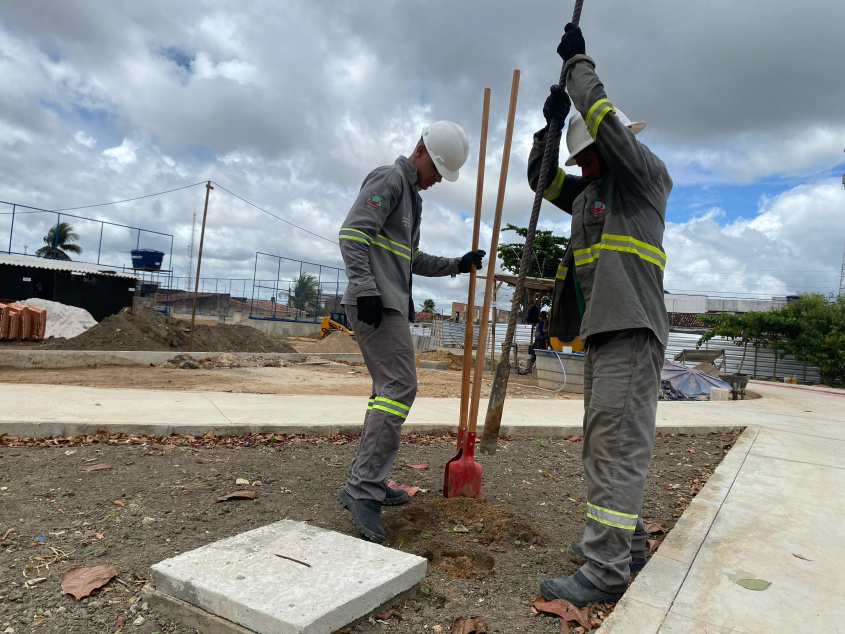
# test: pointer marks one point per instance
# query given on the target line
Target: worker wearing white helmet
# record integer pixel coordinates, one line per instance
(609, 290)
(379, 242)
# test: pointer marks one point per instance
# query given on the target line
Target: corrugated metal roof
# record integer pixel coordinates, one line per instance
(62, 265)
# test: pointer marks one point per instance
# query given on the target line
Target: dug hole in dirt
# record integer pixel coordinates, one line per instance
(156, 497)
(149, 330)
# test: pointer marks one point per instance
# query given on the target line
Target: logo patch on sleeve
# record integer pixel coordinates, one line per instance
(374, 202)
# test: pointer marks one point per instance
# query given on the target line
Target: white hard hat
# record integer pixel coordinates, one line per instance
(448, 146)
(578, 138)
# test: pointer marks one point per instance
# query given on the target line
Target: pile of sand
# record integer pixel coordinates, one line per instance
(63, 320)
(335, 342)
(456, 362)
(150, 330)
(225, 360)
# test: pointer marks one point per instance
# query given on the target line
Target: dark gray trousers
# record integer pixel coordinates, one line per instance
(621, 386)
(389, 355)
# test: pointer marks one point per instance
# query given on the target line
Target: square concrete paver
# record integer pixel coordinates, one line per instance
(241, 578)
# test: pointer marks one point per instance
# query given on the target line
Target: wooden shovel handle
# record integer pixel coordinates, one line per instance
(476, 229)
(491, 260)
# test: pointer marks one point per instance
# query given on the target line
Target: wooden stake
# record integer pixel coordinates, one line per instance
(208, 189)
(494, 244)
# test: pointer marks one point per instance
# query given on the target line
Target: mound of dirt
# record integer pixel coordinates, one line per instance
(335, 342)
(151, 330)
(456, 362)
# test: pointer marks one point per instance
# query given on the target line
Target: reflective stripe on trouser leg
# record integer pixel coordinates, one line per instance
(389, 355)
(621, 382)
(366, 416)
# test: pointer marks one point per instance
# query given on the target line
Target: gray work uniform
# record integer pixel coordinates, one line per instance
(379, 243)
(616, 255)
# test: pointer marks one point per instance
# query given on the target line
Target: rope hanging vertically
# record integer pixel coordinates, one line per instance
(493, 421)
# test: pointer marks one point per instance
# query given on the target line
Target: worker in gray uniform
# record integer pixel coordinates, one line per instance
(609, 289)
(379, 243)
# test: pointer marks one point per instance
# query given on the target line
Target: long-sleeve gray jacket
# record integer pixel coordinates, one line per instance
(379, 240)
(616, 246)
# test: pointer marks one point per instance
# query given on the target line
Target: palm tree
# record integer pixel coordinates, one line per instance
(57, 247)
(428, 306)
(306, 293)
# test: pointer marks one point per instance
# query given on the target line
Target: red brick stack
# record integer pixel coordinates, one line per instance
(22, 322)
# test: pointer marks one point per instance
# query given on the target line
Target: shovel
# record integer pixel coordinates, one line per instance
(470, 310)
(463, 473)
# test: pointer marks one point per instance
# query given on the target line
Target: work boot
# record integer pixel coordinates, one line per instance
(366, 515)
(577, 556)
(394, 497)
(576, 589)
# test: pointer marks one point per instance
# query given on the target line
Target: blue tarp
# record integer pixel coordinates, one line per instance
(692, 383)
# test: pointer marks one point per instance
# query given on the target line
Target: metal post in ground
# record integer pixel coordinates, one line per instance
(208, 189)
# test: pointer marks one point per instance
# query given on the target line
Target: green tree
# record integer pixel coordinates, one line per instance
(428, 306)
(813, 329)
(546, 254)
(58, 247)
(305, 295)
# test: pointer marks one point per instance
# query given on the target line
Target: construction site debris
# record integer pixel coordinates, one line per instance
(149, 330)
(452, 361)
(335, 342)
(63, 320)
(225, 360)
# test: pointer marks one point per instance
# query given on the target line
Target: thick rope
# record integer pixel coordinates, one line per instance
(498, 393)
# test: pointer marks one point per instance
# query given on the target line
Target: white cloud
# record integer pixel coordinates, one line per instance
(83, 139)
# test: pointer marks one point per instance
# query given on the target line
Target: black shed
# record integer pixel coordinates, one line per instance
(101, 290)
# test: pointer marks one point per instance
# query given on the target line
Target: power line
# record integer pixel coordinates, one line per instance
(115, 202)
(316, 235)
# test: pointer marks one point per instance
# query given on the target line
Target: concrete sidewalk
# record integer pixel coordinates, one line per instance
(778, 493)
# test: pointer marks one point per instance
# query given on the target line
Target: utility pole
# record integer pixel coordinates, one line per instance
(208, 189)
(191, 253)
(842, 273)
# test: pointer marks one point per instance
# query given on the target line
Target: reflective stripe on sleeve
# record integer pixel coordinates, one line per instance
(346, 234)
(380, 242)
(616, 519)
(595, 114)
(553, 191)
(561, 272)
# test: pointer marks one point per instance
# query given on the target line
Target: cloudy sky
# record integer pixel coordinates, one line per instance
(290, 104)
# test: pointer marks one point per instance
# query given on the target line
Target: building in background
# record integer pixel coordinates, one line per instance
(99, 289)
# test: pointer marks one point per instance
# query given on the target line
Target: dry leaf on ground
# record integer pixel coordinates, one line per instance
(574, 438)
(652, 544)
(754, 584)
(412, 491)
(119, 503)
(656, 528)
(240, 494)
(97, 467)
(472, 625)
(566, 611)
(801, 557)
(417, 466)
(81, 582)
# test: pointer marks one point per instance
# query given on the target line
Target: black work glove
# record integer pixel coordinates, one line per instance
(572, 43)
(473, 257)
(370, 310)
(412, 310)
(557, 106)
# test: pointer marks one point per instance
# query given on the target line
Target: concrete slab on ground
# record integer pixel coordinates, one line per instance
(242, 580)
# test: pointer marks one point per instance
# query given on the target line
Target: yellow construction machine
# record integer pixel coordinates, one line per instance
(335, 322)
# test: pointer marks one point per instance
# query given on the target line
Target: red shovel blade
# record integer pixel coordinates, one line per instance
(458, 453)
(463, 476)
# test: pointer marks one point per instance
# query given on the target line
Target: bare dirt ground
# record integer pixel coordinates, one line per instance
(159, 498)
(336, 379)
